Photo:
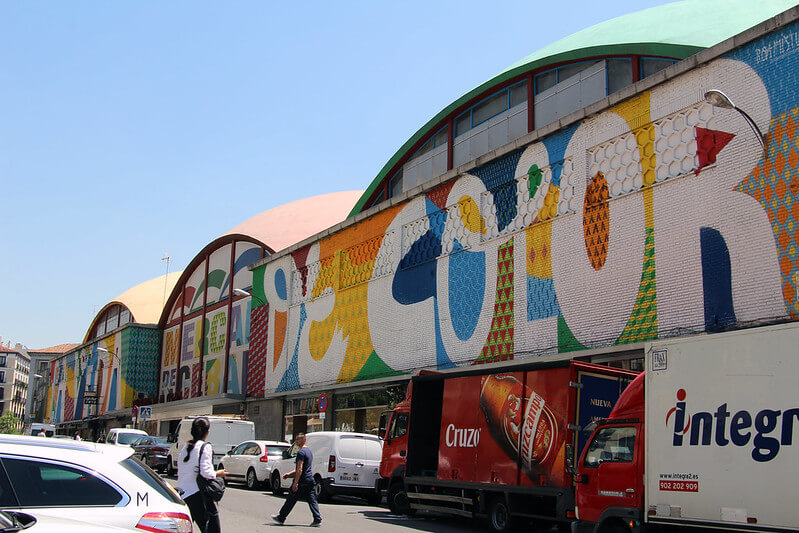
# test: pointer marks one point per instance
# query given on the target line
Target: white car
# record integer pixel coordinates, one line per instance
(76, 479)
(252, 461)
(14, 521)
(124, 436)
(343, 463)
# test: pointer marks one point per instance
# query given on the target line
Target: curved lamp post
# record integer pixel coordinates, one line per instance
(717, 98)
(242, 292)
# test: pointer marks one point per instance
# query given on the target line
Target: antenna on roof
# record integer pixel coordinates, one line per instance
(166, 258)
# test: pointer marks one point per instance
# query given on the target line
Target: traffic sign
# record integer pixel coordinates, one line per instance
(134, 411)
(145, 413)
(322, 403)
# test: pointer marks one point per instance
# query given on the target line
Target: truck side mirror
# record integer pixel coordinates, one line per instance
(381, 433)
(570, 459)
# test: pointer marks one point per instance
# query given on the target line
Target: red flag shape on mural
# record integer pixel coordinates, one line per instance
(708, 144)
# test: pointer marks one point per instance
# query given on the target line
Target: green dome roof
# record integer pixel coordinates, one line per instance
(679, 29)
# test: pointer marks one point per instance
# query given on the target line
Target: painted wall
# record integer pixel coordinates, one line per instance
(658, 217)
(215, 335)
(130, 373)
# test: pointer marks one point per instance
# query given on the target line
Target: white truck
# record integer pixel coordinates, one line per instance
(226, 433)
(720, 448)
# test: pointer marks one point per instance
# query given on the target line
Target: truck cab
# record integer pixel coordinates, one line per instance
(609, 475)
(394, 432)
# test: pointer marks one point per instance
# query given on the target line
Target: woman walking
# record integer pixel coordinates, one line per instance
(190, 465)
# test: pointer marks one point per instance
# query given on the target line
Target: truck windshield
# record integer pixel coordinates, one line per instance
(399, 426)
(611, 445)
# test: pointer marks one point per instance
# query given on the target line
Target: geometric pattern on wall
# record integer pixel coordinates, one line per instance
(256, 363)
(596, 221)
(643, 323)
(499, 345)
(140, 349)
(774, 184)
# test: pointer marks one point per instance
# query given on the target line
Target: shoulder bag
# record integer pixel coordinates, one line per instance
(211, 488)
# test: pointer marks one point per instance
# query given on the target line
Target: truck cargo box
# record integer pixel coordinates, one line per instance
(722, 436)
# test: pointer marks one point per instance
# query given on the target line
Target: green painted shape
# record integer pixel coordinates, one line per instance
(216, 278)
(259, 296)
(640, 327)
(677, 30)
(375, 368)
(567, 342)
(534, 177)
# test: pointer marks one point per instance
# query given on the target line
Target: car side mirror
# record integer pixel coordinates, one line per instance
(286, 454)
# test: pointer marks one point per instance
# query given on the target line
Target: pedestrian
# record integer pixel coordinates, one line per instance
(303, 486)
(190, 464)
(77, 436)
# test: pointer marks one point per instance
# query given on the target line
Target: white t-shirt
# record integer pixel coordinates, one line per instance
(188, 470)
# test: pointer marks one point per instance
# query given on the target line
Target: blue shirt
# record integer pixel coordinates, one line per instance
(306, 457)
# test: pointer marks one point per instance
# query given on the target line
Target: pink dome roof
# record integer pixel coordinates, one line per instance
(290, 223)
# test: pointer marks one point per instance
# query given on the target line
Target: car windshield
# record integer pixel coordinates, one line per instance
(146, 474)
(128, 438)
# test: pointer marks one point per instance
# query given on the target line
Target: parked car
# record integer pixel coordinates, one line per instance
(76, 479)
(123, 436)
(343, 463)
(14, 521)
(252, 461)
(225, 433)
(152, 451)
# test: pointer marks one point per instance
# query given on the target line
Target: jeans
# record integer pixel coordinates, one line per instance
(204, 512)
(305, 489)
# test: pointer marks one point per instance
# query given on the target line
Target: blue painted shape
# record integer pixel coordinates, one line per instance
(280, 284)
(556, 145)
(81, 389)
(467, 278)
(442, 359)
(716, 280)
(291, 379)
(233, 374)
(498, 177)
(542, 302)
(58, 407)
(415, 279)
(112, 391)
(774, 58)
(247, 258)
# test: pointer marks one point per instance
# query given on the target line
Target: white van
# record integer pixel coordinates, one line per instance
(123, 436)
(343, 463)
(225, 434)
(37, 427)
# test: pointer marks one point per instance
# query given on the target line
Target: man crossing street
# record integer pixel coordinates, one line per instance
(303, 486)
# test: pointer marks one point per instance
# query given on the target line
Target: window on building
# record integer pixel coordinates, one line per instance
(2, 360)
(650, 65)
(395, 185)
(2, 376)
(620, 74)
(490, 107)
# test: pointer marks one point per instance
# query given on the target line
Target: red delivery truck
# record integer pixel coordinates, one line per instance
(494, 443)
(704, 439)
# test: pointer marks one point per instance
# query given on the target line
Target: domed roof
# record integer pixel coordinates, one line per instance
(144, 301)
(290, 223)
(676, 30)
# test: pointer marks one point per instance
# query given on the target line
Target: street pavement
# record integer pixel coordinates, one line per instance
(242, 511)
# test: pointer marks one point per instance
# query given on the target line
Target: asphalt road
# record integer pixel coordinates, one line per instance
(242, 510)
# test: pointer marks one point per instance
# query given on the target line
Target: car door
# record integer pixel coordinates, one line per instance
(249, 457)
(65, 490)
(287, 465)
(233, 461)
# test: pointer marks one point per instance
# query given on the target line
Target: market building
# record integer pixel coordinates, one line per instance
(598, 194)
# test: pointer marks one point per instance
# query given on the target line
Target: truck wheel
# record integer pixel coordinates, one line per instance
(252, 479)
(499, 515)
(615, 527)
(170, 470)
(374, 499)
(277, 490)
(397, 500)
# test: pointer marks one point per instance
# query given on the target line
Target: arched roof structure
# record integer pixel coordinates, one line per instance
(676, 30)
(144, 301)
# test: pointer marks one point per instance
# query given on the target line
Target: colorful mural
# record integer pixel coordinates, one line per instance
(206, 341)
(119, 368)
(657, 217)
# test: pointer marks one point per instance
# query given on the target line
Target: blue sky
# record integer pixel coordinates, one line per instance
(131, 129)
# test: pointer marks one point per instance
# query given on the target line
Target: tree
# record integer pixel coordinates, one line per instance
(10, 423)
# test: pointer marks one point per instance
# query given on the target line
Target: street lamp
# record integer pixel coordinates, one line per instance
(242, 292)
(717, 98)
